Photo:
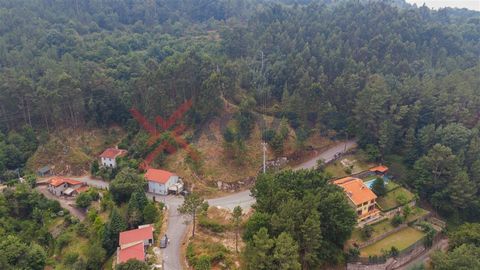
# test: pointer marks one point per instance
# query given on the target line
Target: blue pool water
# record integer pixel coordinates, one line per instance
(369, 183)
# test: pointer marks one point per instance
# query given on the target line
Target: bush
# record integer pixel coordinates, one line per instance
(211, 225)
(397, 220)
(394, 252)
(83, 200)
(353, 253)
(70, 258)
(367, 231)
(203, 263)
(401, 199)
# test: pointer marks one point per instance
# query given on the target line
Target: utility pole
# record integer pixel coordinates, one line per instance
(264, 157)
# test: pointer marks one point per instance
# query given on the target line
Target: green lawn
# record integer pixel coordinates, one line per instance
(417, 213)
(378, 229)
(390, 201)
(401, 240)
(391, 186)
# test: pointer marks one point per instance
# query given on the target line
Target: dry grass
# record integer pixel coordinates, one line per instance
(209, 243)
(72, 151)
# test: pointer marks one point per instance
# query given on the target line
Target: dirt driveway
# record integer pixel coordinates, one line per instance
(67, 204)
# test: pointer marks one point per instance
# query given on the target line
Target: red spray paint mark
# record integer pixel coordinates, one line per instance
(165, 125)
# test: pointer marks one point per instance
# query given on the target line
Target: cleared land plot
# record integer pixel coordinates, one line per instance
(391, 199)
(337, 169)
(401, 240)
(417, 213)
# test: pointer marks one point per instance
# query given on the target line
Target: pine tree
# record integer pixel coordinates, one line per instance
(462, 190)
(311, 241)
(285, 253)
(259, 251)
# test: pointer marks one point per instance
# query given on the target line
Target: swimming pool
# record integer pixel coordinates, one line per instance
(369, 183)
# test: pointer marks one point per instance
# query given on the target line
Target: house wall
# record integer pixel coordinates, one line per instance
(108, 162)
(364, 208)
(57, 191)
(162, 189)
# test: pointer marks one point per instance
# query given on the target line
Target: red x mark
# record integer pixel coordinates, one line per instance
(164, 125)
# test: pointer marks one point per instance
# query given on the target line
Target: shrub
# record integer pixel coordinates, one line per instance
(394, 252)
(353, 253)
(83, 200)
(70, 258)
(397, 220)
(211, 225)
(401, 199)
(191, 254)
(203, 263)
(367, 231)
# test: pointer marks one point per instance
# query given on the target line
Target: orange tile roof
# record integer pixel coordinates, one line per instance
(343, 180)
(381, 168)
(113, 153)
(57, 181)
(159, 176)
(136, 235)
(136, 252)
(82, 189)
(357, 191)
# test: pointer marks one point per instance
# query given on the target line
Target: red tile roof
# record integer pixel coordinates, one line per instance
(58, 181)
(357, 191)
(82, 189)
(381, 168)
(159, 176)
(113, 153)
(136, 235)
(136, 252)
(343, 180)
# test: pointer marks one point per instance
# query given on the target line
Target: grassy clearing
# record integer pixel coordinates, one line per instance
(72, 151)
(393, 198)
(359, 162)
(378, 229)
(417, 213)
(401, 240)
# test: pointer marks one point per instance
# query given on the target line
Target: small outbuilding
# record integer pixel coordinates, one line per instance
(44, 171)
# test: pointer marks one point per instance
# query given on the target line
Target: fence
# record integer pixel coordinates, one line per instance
(383, 262)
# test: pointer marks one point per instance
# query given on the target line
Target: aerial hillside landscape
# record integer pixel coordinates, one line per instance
(239, 134)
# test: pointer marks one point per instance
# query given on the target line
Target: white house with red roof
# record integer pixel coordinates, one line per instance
(132, 243)
(59, 186)
(109, 157)
(159, 181)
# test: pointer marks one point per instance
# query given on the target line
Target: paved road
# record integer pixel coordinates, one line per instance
(63, 202)
(327, 155)
(92, 182)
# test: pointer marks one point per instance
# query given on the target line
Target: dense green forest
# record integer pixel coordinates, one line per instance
(402, 80)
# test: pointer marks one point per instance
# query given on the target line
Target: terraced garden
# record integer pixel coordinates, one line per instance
(401, 240)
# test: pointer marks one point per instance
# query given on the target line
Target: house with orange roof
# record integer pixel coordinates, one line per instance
(59, 185)
(160, 181)
(133, 243)
(360, 197)
(109, 157)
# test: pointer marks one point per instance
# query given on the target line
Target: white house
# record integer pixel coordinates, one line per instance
(109, 156)
(159, 181)
(57, 185)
